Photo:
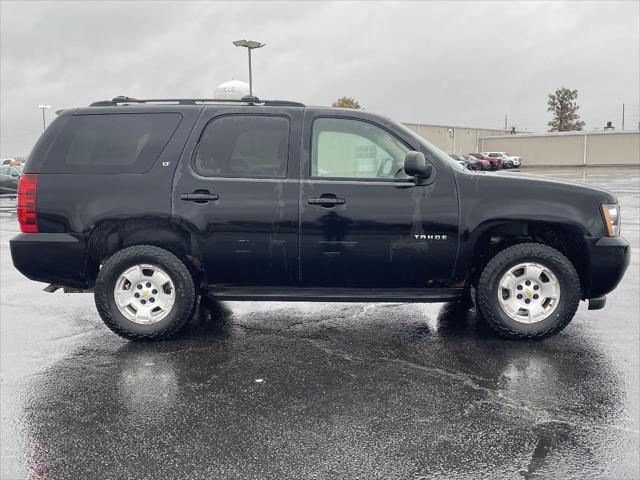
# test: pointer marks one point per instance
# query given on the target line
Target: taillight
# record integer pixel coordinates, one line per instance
(27, 217)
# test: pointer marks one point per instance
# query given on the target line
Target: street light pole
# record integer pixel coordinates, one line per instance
(43, 108)
(249, 45)
(250, 76)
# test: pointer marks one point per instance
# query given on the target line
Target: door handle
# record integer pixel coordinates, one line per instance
(326, 202)
(199, 196)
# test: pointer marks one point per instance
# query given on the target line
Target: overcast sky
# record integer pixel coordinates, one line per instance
(456, 63)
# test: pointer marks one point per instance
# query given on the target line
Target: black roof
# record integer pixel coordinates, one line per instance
(247, 100)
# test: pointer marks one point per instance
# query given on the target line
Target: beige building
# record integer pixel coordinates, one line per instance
(569, 148)
(452, 139)
(598, 148)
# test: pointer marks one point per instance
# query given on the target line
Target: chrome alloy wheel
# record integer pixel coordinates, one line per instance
(144, 294)
(528, 292)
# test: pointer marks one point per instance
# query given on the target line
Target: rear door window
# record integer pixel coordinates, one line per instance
(244, 146)
(110, 143)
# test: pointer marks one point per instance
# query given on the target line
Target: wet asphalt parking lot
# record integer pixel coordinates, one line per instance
(320, 391)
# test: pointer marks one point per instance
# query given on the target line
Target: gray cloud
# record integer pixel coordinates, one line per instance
(449, 63)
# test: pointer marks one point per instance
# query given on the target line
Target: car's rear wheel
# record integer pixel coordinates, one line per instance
(528, 291)
(145, 293)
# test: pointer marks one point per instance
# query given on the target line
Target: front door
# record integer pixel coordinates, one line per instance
(364, 222)
(237, 188)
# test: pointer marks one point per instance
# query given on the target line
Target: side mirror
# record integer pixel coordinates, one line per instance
(415, 165)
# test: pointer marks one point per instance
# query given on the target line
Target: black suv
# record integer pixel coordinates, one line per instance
(152, 203)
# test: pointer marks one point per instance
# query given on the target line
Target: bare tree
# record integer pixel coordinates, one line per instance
(565, 111)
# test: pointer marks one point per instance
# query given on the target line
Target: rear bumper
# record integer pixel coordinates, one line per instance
(57, 258)
(609, 260)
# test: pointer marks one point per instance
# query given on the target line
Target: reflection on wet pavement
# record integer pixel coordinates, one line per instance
(285, 390)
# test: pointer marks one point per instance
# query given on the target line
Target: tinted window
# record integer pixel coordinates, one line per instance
(110, 143)
(344, 148)
(244, 146)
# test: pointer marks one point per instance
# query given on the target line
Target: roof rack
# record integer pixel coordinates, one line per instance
(249, 100)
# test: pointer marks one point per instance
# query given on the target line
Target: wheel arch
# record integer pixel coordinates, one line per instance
(495, 235)
(110, 236)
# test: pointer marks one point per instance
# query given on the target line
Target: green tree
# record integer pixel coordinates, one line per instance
(346, 102)
(562, 103)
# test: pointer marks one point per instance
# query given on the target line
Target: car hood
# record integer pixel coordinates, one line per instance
(534, 184)
(514, 196)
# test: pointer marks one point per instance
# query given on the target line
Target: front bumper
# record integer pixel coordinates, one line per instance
(609, 259)
(57, 258)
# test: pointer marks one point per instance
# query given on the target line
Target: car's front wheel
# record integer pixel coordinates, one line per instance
(528, 291)
(145, 293)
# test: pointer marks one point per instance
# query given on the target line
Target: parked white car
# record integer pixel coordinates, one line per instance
(508, 161)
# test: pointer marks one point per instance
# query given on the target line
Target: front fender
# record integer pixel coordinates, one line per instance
(490, 201)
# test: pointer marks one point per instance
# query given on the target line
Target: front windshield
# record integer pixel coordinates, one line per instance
(432, 153)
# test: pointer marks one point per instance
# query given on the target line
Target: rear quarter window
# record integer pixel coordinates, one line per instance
(110, 143)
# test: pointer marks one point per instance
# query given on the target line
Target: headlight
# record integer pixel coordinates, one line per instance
(611, 215)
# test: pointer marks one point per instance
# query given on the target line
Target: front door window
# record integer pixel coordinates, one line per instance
(353, 149)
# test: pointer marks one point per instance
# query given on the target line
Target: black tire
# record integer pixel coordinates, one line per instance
(487, 292)
(185, 293)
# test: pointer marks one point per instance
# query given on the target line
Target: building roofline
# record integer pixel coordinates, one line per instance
(454, 126)
(578, 133)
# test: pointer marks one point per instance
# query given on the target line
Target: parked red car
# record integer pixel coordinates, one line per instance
(482, 164)
(494, 163)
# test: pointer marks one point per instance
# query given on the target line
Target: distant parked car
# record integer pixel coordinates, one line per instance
(517, 161)
(481, 163)
(13, 162)
(9, 177)
(504, 162)
(465, 161)
(477, 163)
(508, 161)
(494, 163)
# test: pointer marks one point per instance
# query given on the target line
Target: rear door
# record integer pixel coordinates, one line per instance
(237, 188)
